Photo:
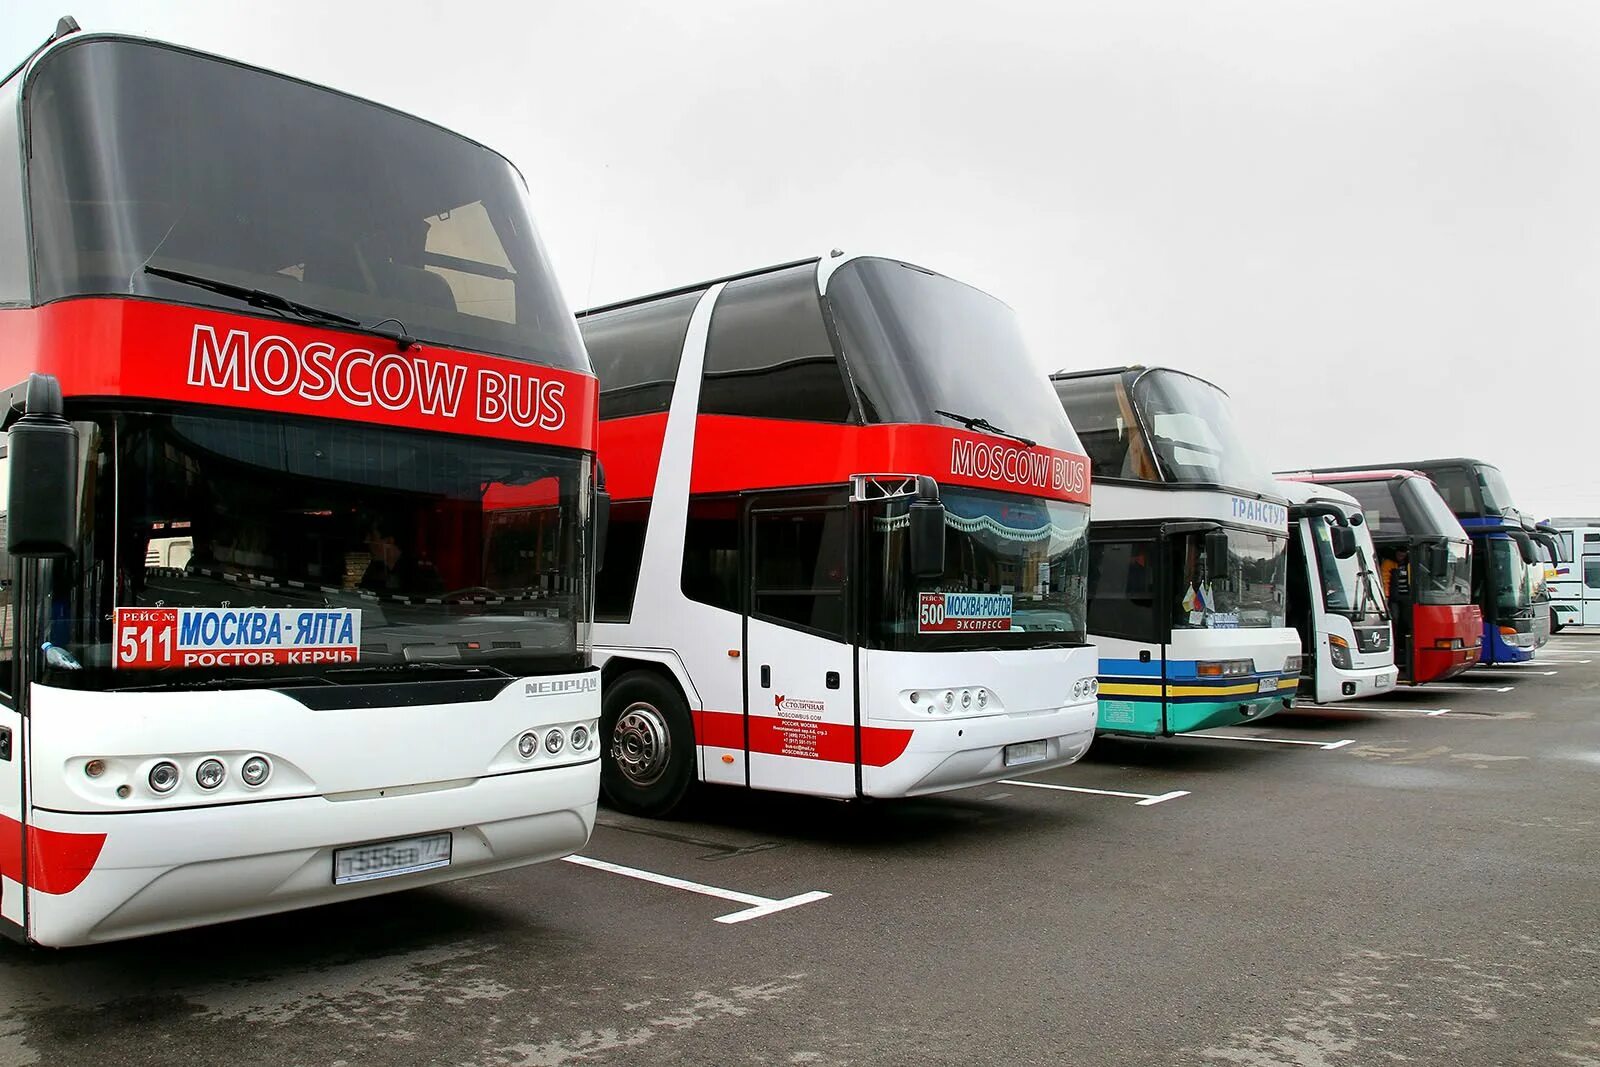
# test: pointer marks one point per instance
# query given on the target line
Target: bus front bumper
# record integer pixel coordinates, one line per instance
(961, 752)
(170, 870)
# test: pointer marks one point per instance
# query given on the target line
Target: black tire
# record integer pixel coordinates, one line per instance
(641, 715)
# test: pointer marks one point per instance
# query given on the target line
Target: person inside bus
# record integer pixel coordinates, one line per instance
(393, 570)
(1395, 573)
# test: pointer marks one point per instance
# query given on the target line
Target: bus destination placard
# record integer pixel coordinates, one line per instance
(948, 613)
(236, 637)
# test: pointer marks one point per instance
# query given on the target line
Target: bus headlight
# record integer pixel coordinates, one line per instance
(255, 771)
(210, 773)
(553, 741)
(164, 776)
(1294, 664)
(527, 745)
(580, 738)
(1339, 649)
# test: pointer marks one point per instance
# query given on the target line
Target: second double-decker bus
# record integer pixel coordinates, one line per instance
(846, 551)
(271, 351)
(1188, 555)
(1424, 567)
(1336, 600)
(1476, 493)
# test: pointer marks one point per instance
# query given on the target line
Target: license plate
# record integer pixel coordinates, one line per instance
(386, 859)
(1026, 752)
(1267, 685)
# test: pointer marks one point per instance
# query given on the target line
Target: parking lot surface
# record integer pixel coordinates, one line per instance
(1410, 881)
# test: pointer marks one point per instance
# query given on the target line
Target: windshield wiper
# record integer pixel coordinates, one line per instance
(270, 301)
(366, 672)
(979, 423)
(288, 682)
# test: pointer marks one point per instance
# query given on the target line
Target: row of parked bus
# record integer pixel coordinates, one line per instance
(342, 557)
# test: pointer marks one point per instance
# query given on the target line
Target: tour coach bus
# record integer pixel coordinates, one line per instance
(846, 548)
(269, 347)
(1575, 589)
(1335, 597)
(1187, 555)
(1501, 551)
(1424, 567)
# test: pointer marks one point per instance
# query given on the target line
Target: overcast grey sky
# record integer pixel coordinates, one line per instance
(1374, 223)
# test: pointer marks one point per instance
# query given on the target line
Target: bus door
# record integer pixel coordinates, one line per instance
(1589, 591)
(800, 686)
(12, 792)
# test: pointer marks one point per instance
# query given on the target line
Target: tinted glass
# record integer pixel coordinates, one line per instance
(799, 567)
(1458, 487)
(1591, 573)
(635, 352)
(711, 552)
(1348, 586)
(917, 342)
(1496, 495)
(142, 153)
(614, 586)
(1194, 435)
(1508, 575)
(768, 354)
(1379, 506)
(443, 549)
(14, 284)
(1102, 417)
(1247, 591)
(7, 578)
(1014, 575)
(1122, 590)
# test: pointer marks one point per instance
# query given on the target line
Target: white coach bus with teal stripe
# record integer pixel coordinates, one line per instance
(1188, 556)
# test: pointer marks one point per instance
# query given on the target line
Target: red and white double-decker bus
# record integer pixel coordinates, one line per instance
(274, 353)
(847, 549)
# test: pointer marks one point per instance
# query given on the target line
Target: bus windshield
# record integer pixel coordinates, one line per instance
(417, 550)
(1243, 591)
(1014, 576)
(143, 154)
(1511, 585)
(1443, 571)
(1349, 586)
(917, 343)
(1194, 434)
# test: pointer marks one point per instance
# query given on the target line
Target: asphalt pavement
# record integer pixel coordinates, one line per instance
(1412, 880)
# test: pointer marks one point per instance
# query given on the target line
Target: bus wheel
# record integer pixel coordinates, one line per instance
(1556, 625)
(648, 763)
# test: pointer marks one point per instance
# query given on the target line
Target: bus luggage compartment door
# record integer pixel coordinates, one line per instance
(800, 665)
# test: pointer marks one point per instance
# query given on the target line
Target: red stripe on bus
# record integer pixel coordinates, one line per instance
(829, 742)
(733, 453)
(121, 347)
(57, 862)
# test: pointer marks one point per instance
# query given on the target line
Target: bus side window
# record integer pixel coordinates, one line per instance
(799, 568)
(1122, 589)
(636, 351)
(1591, 575)
(618, 579)
(710, 552)
(768, 353)
(7, 580)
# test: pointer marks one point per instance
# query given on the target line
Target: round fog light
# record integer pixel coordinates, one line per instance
(983, 697)
(164, 776)
(580, 737)
(527, 745)
(210, 773)
(966, 699)
(95, 768)
(255, 770)
(553, 742)
(949, 699)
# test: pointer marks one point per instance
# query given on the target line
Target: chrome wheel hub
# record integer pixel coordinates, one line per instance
(641, 745)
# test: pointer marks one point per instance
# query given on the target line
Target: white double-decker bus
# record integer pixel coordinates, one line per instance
(846, 551)
(1187, 556)
(273, 354)
(1336, 600)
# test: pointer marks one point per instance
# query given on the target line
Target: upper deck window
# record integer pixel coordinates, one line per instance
(1102, 417)
(146, 154)
(916, 343)
(1193, 432)
(768, 353)
(636, 351)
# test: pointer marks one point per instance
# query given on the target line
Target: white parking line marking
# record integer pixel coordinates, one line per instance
(1326, 746)
(1413, 711)
(1438, 686)
(1142, 800)
(1547, 674)
(758, 907)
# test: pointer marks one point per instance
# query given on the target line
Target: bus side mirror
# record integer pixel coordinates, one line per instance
(1217, 553)
(1344, 541)
(602, 518)
(926, 519)
(43, 450)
